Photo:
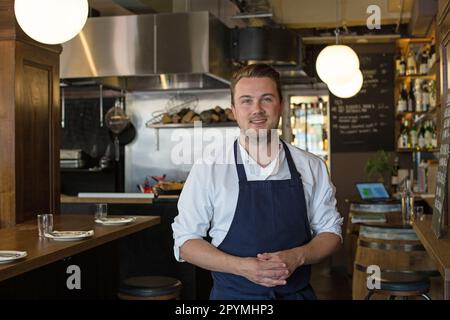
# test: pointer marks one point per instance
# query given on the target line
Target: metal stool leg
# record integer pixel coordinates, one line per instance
(425, 296)
(392, 297)
(369, 294)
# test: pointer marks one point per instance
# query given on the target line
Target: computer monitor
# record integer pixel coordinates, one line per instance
(372, 191)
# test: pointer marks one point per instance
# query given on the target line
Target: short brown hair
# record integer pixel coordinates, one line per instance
(259, 70)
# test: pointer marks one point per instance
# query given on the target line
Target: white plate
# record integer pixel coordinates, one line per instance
(117, 221)
(11, 255)
(69, 235)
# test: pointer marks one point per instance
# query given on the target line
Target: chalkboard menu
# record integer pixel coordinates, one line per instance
(441, 200)
(365, 122)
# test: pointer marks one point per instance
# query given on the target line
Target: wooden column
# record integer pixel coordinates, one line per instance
(29, 123)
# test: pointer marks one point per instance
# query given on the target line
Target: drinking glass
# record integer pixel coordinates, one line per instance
(101, 211)
(418, 212)
(45, 224)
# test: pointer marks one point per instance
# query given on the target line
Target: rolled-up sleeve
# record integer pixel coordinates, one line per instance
(324, 216)
(194, 210)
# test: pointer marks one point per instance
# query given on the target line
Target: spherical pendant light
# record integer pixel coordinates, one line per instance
(336, 64)
(51, 21)
(347, 89)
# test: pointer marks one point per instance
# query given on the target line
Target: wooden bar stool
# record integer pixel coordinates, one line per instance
(150, 288)
(400, 284)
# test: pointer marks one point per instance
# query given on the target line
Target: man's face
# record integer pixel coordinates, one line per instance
(256, 105)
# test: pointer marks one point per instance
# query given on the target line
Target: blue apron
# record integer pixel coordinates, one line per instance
(270, 216)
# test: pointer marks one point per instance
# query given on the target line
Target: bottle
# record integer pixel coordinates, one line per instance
(423, 61)
(425, 96)
(434, 142)
(397, 63)
(404, 136)
(418, 95)
(325, 139)
(394, 177)
(428, 135)
(407, 203)
(411, 98)
(411, 65)
(320, 104)
(432, 57)
(402, 103)
(421, 143)
(413, 137)
(432, 87)
(402, 70)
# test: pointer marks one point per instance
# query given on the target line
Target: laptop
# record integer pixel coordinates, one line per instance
(373, 192)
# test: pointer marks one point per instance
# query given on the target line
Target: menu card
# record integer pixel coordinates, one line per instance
(441, 199)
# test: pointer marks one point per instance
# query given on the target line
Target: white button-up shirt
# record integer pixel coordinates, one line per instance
(209, 197)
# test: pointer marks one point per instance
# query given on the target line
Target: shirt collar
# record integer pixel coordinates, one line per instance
(253, 168)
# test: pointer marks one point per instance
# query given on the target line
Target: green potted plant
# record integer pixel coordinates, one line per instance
(377, 166)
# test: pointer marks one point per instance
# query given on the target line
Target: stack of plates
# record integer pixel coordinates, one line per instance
(11, 255)
(116, 221)
(69, 235)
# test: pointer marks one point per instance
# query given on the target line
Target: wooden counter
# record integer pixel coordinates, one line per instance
(77, 200)
(73, 199)
(429, 201)
(41, 251)
(438, 249)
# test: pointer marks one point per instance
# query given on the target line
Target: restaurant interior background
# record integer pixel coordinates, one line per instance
(168, 63)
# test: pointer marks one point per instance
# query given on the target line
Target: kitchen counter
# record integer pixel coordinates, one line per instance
(41, 252)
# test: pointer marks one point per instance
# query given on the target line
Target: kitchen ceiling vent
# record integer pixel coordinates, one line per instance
(274, 46)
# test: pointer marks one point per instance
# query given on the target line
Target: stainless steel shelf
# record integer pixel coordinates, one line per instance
(191, 125)
(198, 124)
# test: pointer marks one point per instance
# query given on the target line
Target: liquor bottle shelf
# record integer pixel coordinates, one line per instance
(416, 76)
(412, 113)
(417, 150)
(420, 114)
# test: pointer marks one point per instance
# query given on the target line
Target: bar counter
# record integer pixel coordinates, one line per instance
(42, 251)
(437, 249)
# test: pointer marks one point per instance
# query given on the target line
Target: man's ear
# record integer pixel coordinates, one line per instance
(233, 110)
(281, 106)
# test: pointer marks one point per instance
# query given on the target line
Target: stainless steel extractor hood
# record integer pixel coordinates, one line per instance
(275, 46)
(150, 52)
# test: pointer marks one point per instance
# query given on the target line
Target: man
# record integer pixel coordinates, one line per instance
(270, 211)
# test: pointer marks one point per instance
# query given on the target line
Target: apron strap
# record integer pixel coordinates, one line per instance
(239, 164)
(295, 175)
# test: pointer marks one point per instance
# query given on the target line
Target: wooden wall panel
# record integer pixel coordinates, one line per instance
(29, 123)
(37, 123)
(7, 158)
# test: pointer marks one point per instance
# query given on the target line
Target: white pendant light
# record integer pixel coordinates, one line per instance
(51, 21)
(336, 64)
(347, 89)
